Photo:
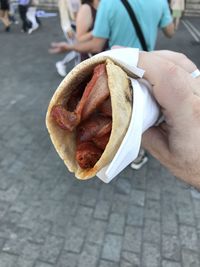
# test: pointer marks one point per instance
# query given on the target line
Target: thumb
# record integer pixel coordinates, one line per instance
(154, 140)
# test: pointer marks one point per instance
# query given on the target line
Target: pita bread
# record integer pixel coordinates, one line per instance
(121, 102)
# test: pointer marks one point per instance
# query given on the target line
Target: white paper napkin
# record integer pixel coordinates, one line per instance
(145, 113)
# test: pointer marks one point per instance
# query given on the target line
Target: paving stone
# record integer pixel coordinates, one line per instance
(51, 249)
(196, 203)
(129, 259)
(116, 223)
(151, 232)
(7, 260)
(83, 217)
(67, 259)
(152, 209)
(132, 239)
(120, 203)
(96, 232)
(2, 242)
(89, 197)
(102, 210)
(43, 264)
(185, 213)
(123, 186)
(89, 255)
(151, 255)
(135, 216)
(166, 263)
(74, 239)
(112, 247)
(171, 247)
(106, 192)
(188, 237)
(137, 197)
(31, 251)
(190, 258)
(104, 263)
(17, 241)
(22, 262)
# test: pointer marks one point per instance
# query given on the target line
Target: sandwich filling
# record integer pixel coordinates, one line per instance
(89, 113)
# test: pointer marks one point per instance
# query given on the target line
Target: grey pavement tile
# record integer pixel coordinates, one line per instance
(40, 231)
(196, 203)
(83, 216)
(123, 186)
(130, 259)
(188, 237)
(106, 192)
(132, 239)
(12, 192)
(89, 255)
(112, 247)
(167, 263)
(67, 259)
(171, 247)
(4, 205)
(17, 241)
(135, 216)
(152, 209)
(120, 203)
(22, 262)
(151, 255)
(152, 231)
(42, 264)
(102, 209)
(138, 181)
(96, 232)
(116, 223)
(137, 197)
(104, 263)
(186, 213)
(7, 260)
(51, 249)
(190, 258)
(31, 251)
(74, 239)
(2, 242)
(89, 197)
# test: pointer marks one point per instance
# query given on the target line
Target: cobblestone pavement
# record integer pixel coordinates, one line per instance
(48, 218)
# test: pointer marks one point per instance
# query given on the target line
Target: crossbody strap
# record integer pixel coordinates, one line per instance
(135, 24)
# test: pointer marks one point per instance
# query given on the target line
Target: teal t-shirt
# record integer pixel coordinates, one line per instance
(113, 22)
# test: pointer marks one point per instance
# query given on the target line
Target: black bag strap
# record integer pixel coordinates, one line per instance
(135, 24)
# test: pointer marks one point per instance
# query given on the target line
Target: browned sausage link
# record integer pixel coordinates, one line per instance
(101, 141)
(87, 155)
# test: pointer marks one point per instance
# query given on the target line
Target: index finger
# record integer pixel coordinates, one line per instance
(171, 85)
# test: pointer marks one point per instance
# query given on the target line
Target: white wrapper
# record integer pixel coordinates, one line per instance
(145, 114)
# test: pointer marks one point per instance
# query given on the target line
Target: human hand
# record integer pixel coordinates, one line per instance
(176, 141)
(59, 48)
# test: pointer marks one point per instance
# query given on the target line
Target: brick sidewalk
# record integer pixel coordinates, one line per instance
(48, 218)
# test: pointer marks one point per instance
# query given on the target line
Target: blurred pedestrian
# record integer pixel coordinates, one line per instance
(114, 24)
(4, 14)
(85, 22)
(23, 8)
(177, 6)
(32, 16)
(68, 10)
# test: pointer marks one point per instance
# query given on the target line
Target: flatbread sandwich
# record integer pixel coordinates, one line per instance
(89, 114)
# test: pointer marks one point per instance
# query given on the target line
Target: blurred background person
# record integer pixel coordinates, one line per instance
(23, 8)
(177, 7)
(68, 10)
(85, 22)
(32, 16)
(4, 14)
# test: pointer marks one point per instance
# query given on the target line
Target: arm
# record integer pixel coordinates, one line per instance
(169, 30)
(84, 23)
(92, 46)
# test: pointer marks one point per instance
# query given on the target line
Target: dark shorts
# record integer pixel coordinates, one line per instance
(4, 5)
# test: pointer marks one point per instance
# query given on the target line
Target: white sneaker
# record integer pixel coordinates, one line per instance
(33, 29)
(61, 69)
(140, 160)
